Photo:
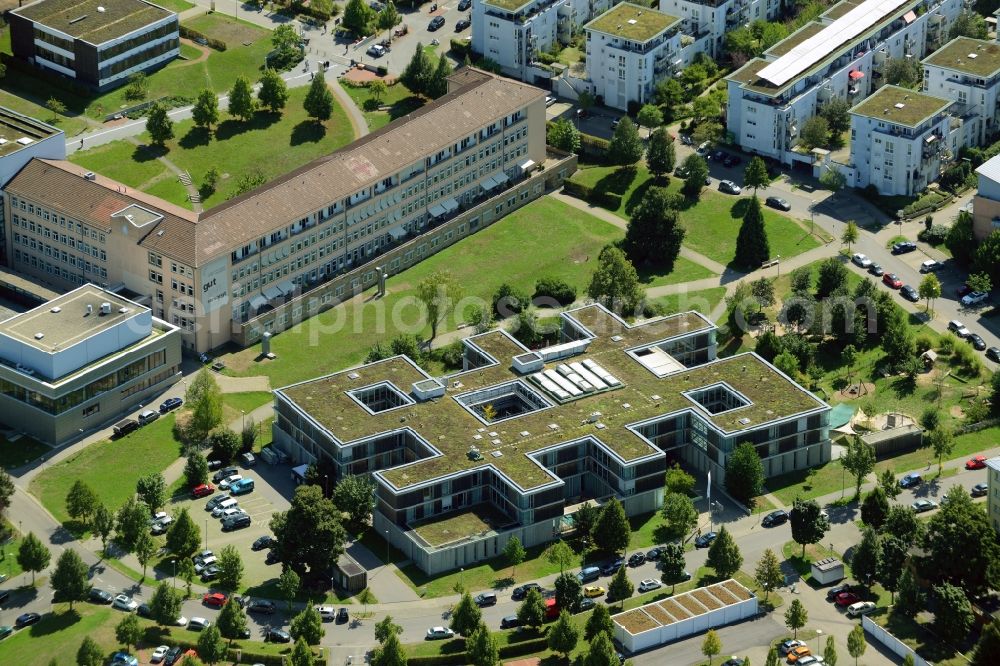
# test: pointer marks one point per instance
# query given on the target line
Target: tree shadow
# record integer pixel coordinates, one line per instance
(196, 136)
(54, 623)
(639, 193)
(307, 131)
(739, 209)
(148, 153)
(405, 106)
(618, 181)
(904, 386)
(71, 530)
(503, 583)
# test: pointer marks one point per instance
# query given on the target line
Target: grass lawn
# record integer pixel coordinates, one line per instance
(175, 5)
(399, 99)
(812, 482)
(685, 270)
(915, 634)
(565, 244)
(965, 447)
(23, 451)
(8, 551)
(793, 553)
(110, 467)
(247, 401)
(275, 145)
(704, 301)
(570, 55)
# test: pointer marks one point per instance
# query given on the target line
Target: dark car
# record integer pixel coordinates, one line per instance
(486, 599)
(909, 293)
(522, 590)
(169, 404)
(612, 567)
(779, 203)
(681, 172)
(653, 554)
(210, 573)
(979, 490)
(99, 596)
(462, 24)
(911, 480)
(275, 635)
(637, 559)
(236, 522)
(173, 655)
(435, 23)
(903, 247)
(272, 557)
(719, 156)
(464, 4)
(833, 592)
(993, 353)
(342, 615)
(144, 611)
(586, 605)
(263, 542)
(224, 473)
(705, 540)
(876, 270)
(214, 465)
(774, 518)
(262, 606)
(26, 619)
(731, 160)
(976, 341)
(509, 622)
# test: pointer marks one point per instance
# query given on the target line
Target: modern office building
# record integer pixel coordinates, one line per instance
(968, 71)
(515, 442)
(80, 361)
(265, 260)
(986, 203)
(844, 53)
(629, 49)
(99, 43)
(706, 22)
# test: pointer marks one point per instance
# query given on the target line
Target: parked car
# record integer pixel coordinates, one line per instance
(650, 584)
(439, 633)
(435, 23)
(612, 567)
(275, 635)
(993, 353)
(170, 404)
(227, 482)
(262, 606)
(198, 623)
(860, 608)
(272, 557)
(834, 592)
(248, 459)
(892, 281)
(123, 659)
(911, 480)
(846, 599)
(26, 619)
(787, 646)
(223, 473)
(217, 599)
(342, 616)
(929, 266)
(729, 187)
(876, 270)
(462, 24)
(376, 50)
(326, 613)
(904, 247)
(511, 621)
(242, 487)
(588, 574)
(261, 543)
(637, 559)
(586, 605)
(703, 148)
(201, 565)
(173, 655)
(775, 518)
(5, 631)
(979, 490)
(464, 4)
(686, 139)
(592, 591)
(125, 603)
(209, 573)
(796, 652)
(778, 203)
(861, 260)
(199, 558)
(522, 590)
(484, 599)
(144, 611)
(235, 522)
(159, 653)
(923, 504)
(719, 156)
(99, 596)
(202, 490)
(214, 465)
(974, 298)
(731, 160)
(705, 540)
(909, 293)
(226, 508)
(976, 341)
(148, 416)
(654, 553)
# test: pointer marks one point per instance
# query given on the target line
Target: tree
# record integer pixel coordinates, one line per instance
(586, 100)
(159, 125)
(615, 282)
(418, 72)
(960, 240)
(285, 39)
(386, 628)
(705, 107)
(897, 339)
(979, 282)
(466, 616)
(6, 491)
(241, 104)
(867, 556)
(669, 93)
(969, 24)
(890, 484)
(183, 536)
(165, 606)
(612, 531)
(763, 292)
(288, 585)
(69, 580)
(307, 625)
(930, 289)
(438, 84)
(585, 518)
(482, 647)
(891, 564)
(531, 612)
(830, 653)
(712, 645)
(874, 508)
(859, 461)
(752, 247)
(32, 555)
(568, 592)
(598, 623)
(81, 501)
(680, 513)
(230, 568)
(129, 631)
(961, 546)
(204, 399)
(772, 657)
(355, 496)
(942, 442)
(838, 117)
(697, 171)
(660, 154)
(724, 555)
(602, 652)
(210, 646)
(388, 18)
(90, 653)
(654, 232)
(560, 554)
(649, 116)
(103, 524)
(319, 100)
(248, 181)
(768, 573)
(564, 635)
(302, 654)
(564, 135)
(196, 468)
(620, 588)
(205, 111)
(439, 292)
(358, 17)
(138, 87)
(232, 620)
(309, 535)
(145, 548)
(672, 565)
(225, 444)
(910, 600)
(744, 473)
(390, 653)
(832, 277)
(809, 525)
(796, 617)
(273, 92)
(755, 174)
(850, 235)
(185, 569)
(856, 644)
(625, 147)
(514, 553)
(787, 363)
(678, 481)
(152, 491)
(988, 646)
(815, 132)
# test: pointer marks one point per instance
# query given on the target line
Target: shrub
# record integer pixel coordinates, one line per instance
(196, 36)
(935, 235)
(931, 418)
(509, 300)
(924, 342)
(948, 343)
(460, 48)
(651, 309)
(593, 145)
(557, 290)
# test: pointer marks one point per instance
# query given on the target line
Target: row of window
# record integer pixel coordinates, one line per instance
(136, 59)
(51, 216)
(55, 253)
(52, 234)
(137, 41)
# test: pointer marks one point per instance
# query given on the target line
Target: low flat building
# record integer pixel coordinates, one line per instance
(99, 43)
(986, 203)
(515, 442)
(80, 361)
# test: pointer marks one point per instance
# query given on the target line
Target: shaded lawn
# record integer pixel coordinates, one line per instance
(564, 245)
(811, 482)
(704, 301)
(399, 98)
(685, 270)
(914, 633)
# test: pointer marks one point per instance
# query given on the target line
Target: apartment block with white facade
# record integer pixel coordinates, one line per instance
(630, 48)
(968, 71)
(708, 21)
(512, 32)
(842, 54)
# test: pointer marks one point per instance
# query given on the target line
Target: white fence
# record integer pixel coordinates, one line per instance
(894, 645)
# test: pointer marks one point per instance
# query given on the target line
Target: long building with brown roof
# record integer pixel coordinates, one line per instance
(209, 274)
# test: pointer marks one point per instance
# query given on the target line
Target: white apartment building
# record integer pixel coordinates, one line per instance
(968, 70)
(843, 53)
(900, 139)
(630, 48)
(708, 21)
(986, 203)
(512, 32)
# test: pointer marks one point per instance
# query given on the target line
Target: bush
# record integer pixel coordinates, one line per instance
(557, 290)
(651, 309)
(924, 342)
(460, 48)
(509, 300)
(948, 343)
(935, 235)
(608, 200)
(928, 201)
(196, 36)
(593, 146)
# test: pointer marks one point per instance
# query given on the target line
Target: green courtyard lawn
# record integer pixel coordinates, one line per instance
(685, 270)
(966, 446)
(8, 550)
(20, 452)
(916, 634)
(246, 402)
(399, 99)
(110, 467)
(704, 300)
(811, 482)
(564, 244)
(275, 145)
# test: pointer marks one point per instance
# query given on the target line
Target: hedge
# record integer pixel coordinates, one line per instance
(524, 647)
(461, 47)
(519, 649)
(245, 656)
(593, 145)
(605, 199)
(194, 36)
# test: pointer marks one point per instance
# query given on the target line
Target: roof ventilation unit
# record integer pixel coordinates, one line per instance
(105, 308)
(39, 336)
(90, 175)
(90, 310)
(123, 310)
(56, 310)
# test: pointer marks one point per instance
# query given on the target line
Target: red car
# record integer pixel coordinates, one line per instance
(847, 598)
(218, 599)
(202, 490)
(891, 280)
(976, 462)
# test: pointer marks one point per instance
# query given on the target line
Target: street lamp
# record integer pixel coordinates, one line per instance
(388, 548)
(819, 635)
(812, 216)
(175, 573)
(243, 423)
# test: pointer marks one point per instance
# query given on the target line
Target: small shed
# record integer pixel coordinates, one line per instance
(929, 357)
(828, 571)
(349, 575)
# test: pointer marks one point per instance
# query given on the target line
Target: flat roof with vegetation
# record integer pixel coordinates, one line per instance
(508, 5)
(976, 57)
(632, 22)
(94, 21)
(452, 429)
(18, 131)
(683, 606)
(901, 106)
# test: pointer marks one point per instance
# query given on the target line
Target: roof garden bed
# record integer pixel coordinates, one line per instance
(736, 589)
(656, 612)
(452, 527)
(722, 594)
(706, 599)
(675, 609)
(636, 621)
(690, 604)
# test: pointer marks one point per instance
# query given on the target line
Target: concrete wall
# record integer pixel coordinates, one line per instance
(892, 643)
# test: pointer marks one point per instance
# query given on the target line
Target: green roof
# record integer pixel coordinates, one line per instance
(508, 5)
(449, 427)
(14, 128)
(632, 22)
(93, 21)
(841, 8)
(976, 57)
(901, 106)
(796, 38)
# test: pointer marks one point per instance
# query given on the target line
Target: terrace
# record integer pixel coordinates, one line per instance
(450, 528)
(901, 106)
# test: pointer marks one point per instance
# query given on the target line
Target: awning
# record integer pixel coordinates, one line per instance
(488, 184)
(450, 205)
(286, 287)
(397, 232)
(272, 292)
(527, 164)
(501, 178)
(257, 302)
(856, 74)
(437, 210)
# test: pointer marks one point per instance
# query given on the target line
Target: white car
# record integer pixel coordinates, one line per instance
(959, 328)
(861, 260)
(228, 481)
(162, 518)
(125, 603)
(975, 298)
(326, 613)
(198, 623)
(233, 511)
(181, 621)
(158, 654)
(649, 584)
(860, 608)
(435, 633)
